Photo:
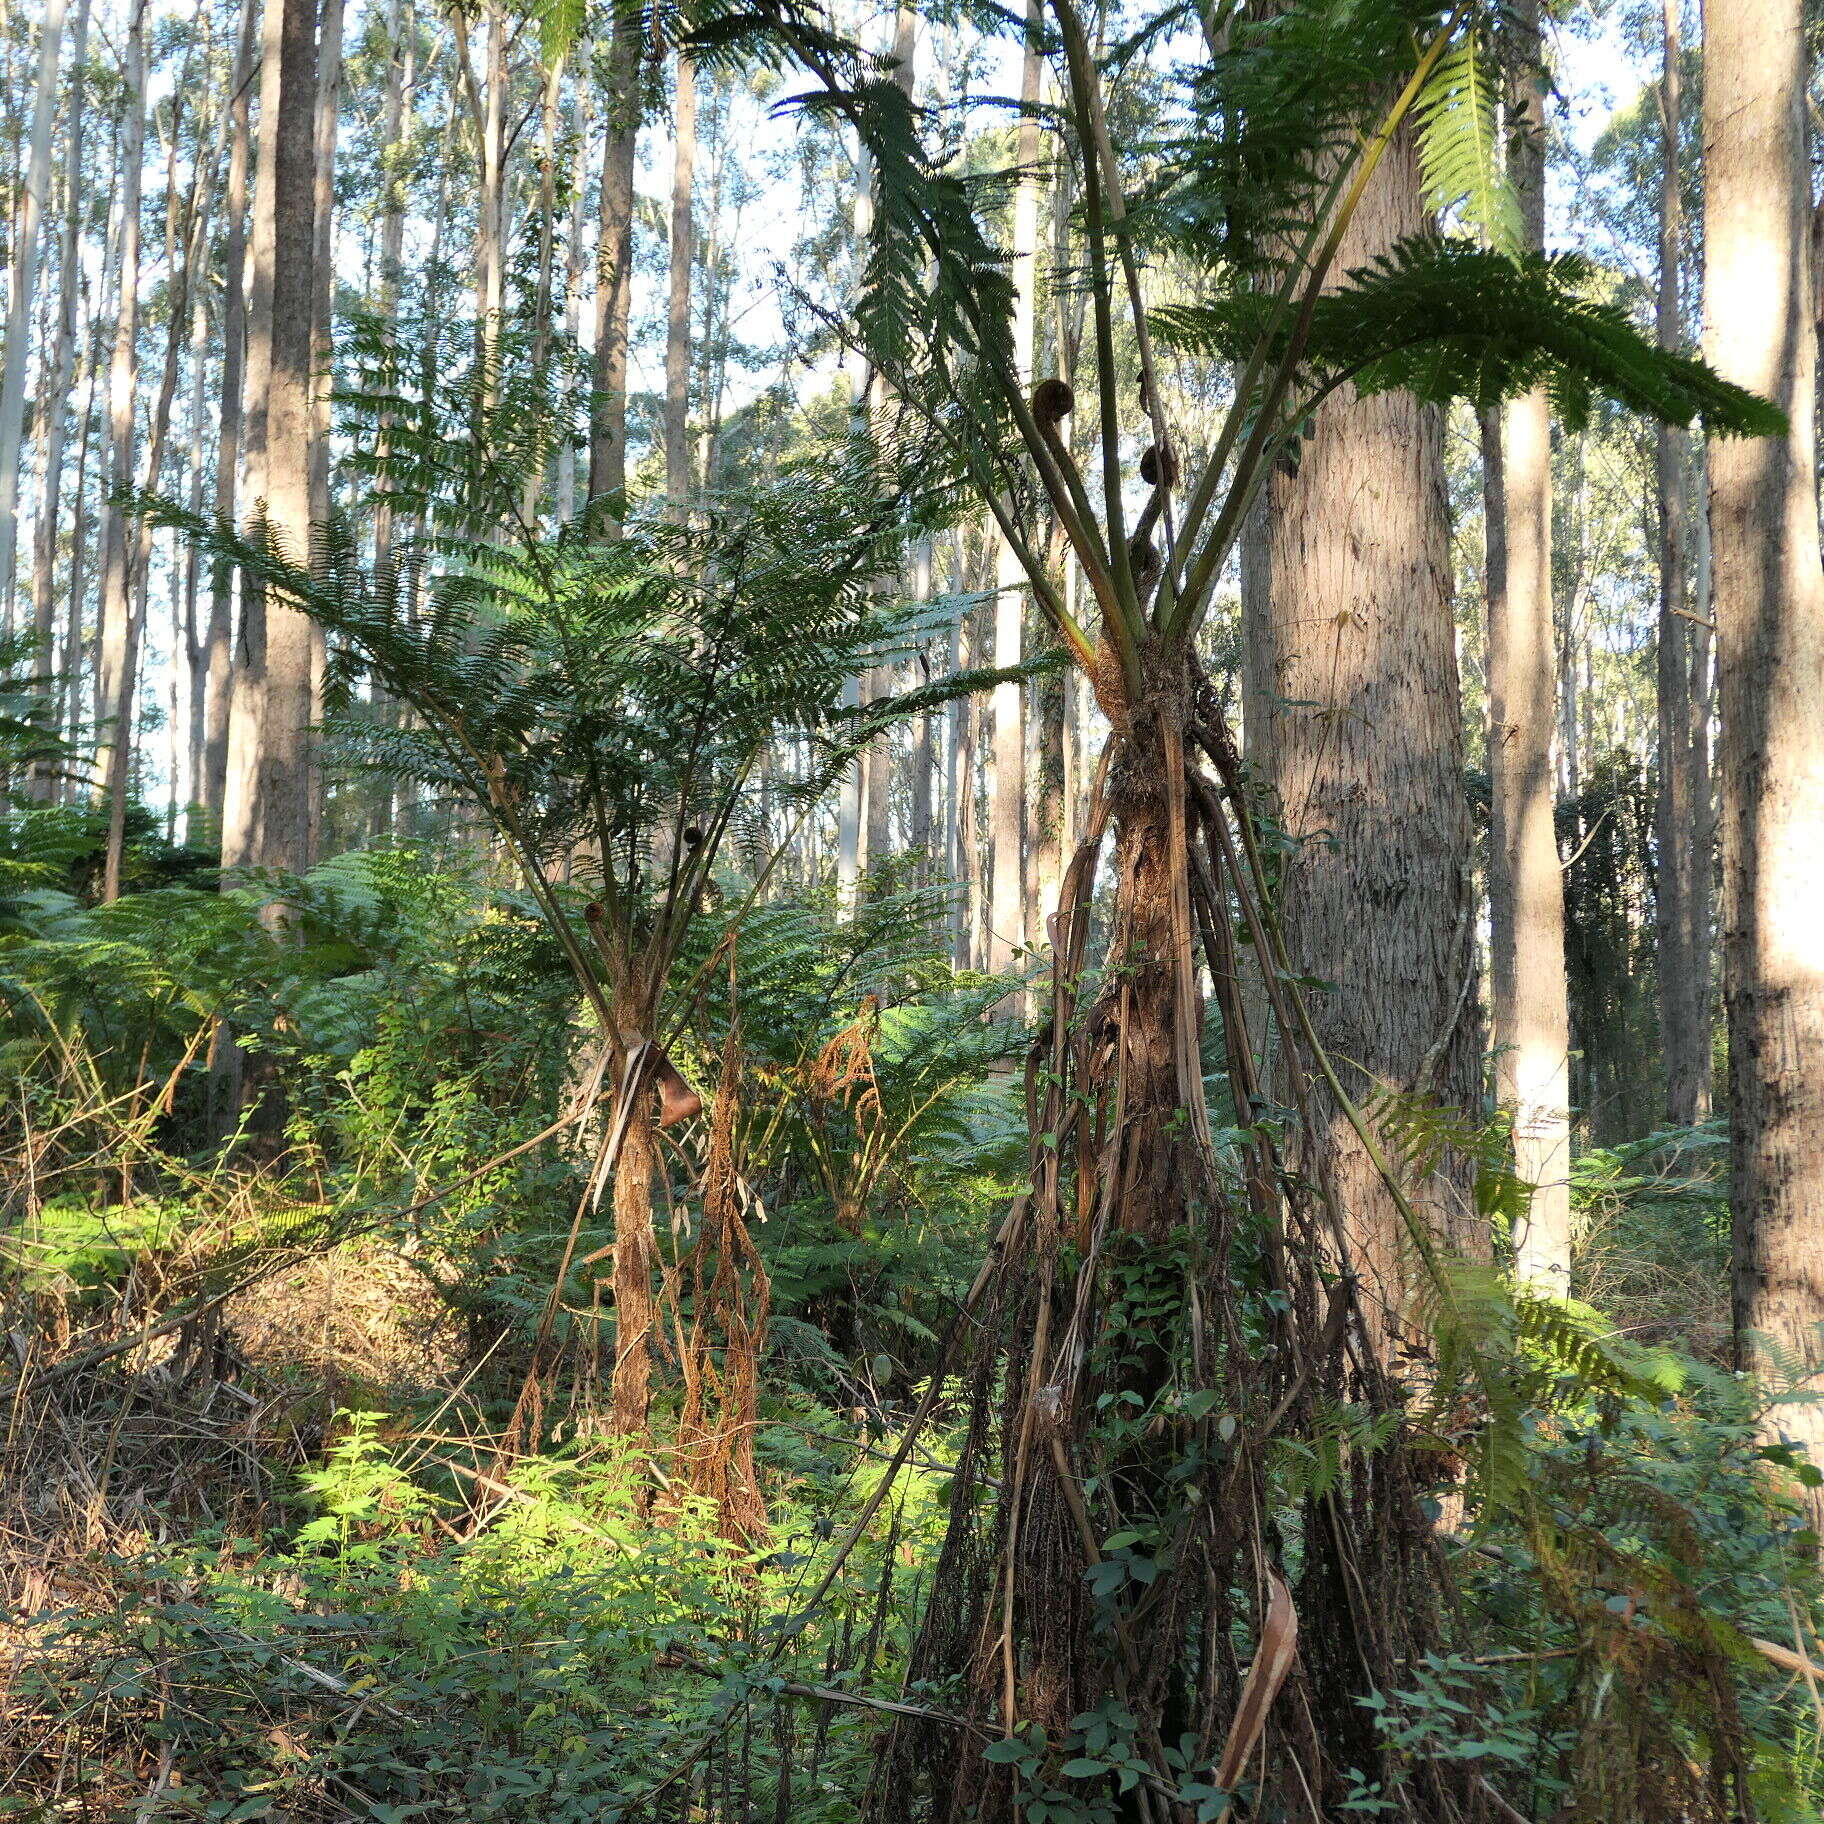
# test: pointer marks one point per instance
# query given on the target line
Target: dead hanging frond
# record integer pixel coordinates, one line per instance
(841, 1076)
(721, 1341)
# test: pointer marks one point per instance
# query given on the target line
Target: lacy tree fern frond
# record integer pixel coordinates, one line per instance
(1457, 117)
(1446, 319)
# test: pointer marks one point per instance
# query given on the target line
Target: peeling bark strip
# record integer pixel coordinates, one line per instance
(1758, 299)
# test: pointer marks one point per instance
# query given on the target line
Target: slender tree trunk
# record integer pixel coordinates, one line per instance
(683, 253)
(959, 756)
(266, 809)
(1361, 739)
(24, 278)
(1682, 893)
(189, 638)
(114, 682)
(614, 266)
(565, 485)
(322, 352)
(219, 653)
(1762, 333)
(73, 643)
(1531, 1004)
(42, 781)
(186, 237)
(396, 127)
(924, 737)
(1007, 801)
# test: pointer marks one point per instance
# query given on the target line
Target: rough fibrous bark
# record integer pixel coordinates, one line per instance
(614, 260)
(1357, 724)
(1769, 585)
(1682, 830)
(266, 805)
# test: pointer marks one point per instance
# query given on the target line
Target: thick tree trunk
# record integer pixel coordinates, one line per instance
(614, 264)
(1682, 825)
(683, 255)
(25, 226)
(1361, 739)
(1762, 333)
(266, 808)
(1526, 894)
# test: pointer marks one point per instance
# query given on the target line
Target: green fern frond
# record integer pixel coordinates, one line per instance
(1457, 121)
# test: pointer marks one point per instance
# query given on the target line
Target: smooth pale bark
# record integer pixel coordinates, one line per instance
(677, 320)
(1682, 825)
(266, 808)
(26, 222)
(1759, 309)
(187, 636)
(186, 236)
(41, 781)
(923, 761)
(113, 688)
(551, 95)
(1531, 1002)
(614, 267)
(1356, 721)
(71, 658)
(1007, 798)
(218, 642)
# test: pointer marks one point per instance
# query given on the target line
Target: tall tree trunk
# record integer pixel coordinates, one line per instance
(219, 654)
(395, 133)
(114, 681)
(1007, 801)
(1361, 737)
(186, 237)
(1531, 1002)
(24, 278)
(1682, 893)
(266, 807)
(683, 253)
(188, 639)
(1762, 333)
(42, 780)
(614, 266)
(565, 483)
(322, 352)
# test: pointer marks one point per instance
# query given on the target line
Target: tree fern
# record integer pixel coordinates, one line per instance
(1446, 319)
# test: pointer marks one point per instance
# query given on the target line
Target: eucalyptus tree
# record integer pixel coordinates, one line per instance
(1164, 1316)
(1760, 308)
(1532, 1034)
(267, 794)
(33, 198)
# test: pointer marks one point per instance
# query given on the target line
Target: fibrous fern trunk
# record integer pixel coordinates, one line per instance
(1160, 1315)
